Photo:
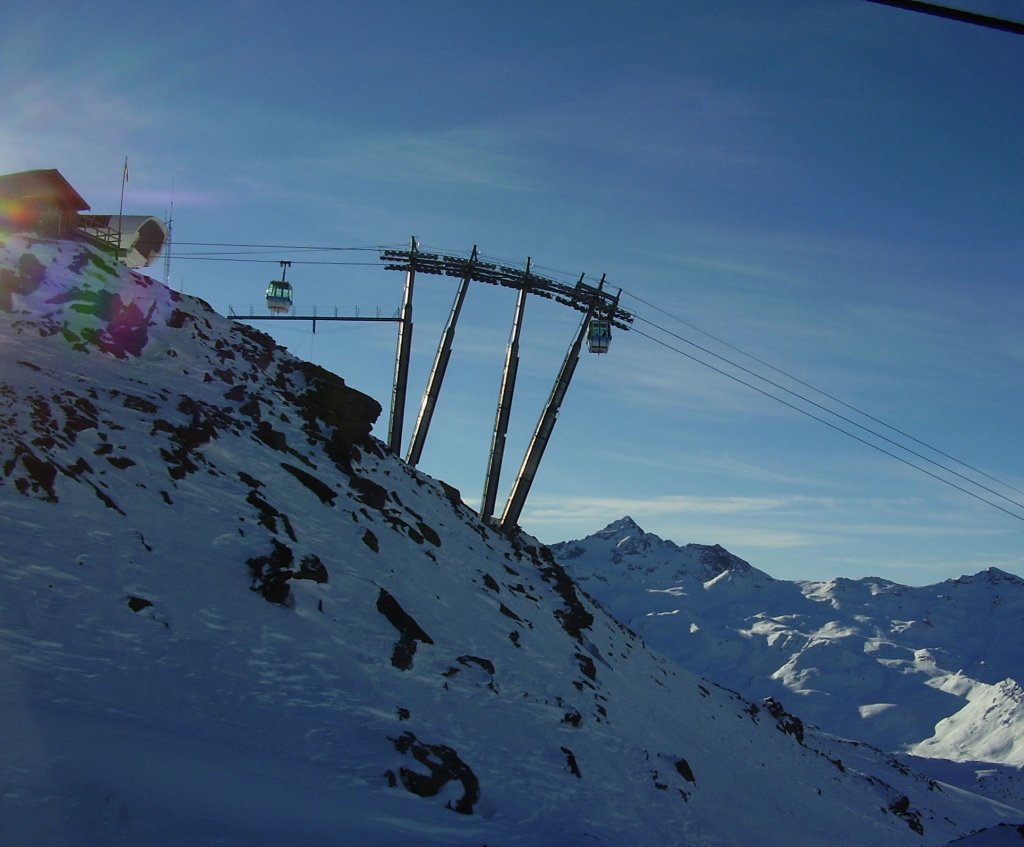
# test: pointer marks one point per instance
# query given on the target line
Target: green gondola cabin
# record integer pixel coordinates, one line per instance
(279, 292)
(599, 335)
(279, 296)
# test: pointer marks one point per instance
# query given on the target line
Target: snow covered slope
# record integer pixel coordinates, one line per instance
(228, 617)
(933, 670)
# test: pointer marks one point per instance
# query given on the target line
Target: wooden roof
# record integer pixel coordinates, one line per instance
(42, 184)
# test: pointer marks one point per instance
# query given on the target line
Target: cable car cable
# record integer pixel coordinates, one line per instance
(828, 424)
(832, 412)
(828, 395)
(204, 258)
(835, 414)
(960, 15)
(273, 246)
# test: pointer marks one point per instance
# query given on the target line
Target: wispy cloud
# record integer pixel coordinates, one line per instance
(730, 465)
(466, 157)
(576, 508)
(735, 520)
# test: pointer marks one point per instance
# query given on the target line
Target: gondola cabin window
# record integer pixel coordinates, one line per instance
(279, 296)
(599, 335)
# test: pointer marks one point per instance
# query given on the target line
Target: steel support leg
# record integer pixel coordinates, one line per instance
(401, 382)
(542, 434)
(444, 353)
(508, 385)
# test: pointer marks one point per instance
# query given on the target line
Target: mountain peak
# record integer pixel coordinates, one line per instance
(988, 576)
(624, 524)
(623, 554)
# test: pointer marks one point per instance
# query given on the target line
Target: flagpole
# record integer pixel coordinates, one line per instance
(120, 211)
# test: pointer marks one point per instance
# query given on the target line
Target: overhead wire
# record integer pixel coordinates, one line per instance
(221, 258)
(832, 425)
(828, 395)
(950, 13)
(828, 423)
(247, 249)
(327, 249)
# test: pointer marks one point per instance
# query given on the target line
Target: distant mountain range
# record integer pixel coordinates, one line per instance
(932, 671)
(229, 616)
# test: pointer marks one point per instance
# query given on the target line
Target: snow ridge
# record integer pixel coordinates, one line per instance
(905, 669)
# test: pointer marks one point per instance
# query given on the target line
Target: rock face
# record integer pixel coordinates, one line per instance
(212, 569)
(242, 375)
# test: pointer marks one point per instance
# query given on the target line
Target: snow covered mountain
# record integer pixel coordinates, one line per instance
(933, 671)
(229, 617)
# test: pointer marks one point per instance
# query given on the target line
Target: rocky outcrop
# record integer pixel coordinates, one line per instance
(409, 632)
(443, 765)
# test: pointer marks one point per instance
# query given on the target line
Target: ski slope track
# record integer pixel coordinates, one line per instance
(229, 617)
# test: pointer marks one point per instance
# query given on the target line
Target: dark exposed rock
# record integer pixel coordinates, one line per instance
(571, 764)
(508, 613)
(235, 394)
(41, 474)
(272, 572)
(177, 319)
(409, 632)
(204, 422)
(104, 499)
(83, 467)
(137, 604)
(901, 808)
(270, 436)
(258, 347)
(787, 723)
(369, 492)
(251, 481)
(349, 414)
(444, 766)
(719, 560)
(685, 771)
(371, 541)
(587, 665)
(451, 492)
(428, 533)
(486, 664)
(320, 489)
(312, 568)
(573, 616)
(268, 515)
(139, 404)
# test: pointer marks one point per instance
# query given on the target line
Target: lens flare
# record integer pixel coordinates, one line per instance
(76, 290)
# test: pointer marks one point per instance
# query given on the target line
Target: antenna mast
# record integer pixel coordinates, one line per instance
(167, 249)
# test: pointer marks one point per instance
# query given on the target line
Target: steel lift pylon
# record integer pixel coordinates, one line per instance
(601, 312)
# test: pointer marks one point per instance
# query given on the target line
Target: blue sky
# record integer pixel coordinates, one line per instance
(836, 188)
